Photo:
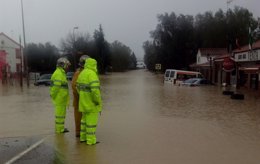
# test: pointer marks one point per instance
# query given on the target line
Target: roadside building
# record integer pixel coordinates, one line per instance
(205, 62)
(248, 66)
(224, 70)
(10, 56)
(3, 65)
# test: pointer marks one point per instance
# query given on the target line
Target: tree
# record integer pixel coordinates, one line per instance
(151, 56)
(120, 56)
(176, 39)
(74, 46)
(41, 57)
(173, 41)
(103, 49)
(133, 61)
(96, 47)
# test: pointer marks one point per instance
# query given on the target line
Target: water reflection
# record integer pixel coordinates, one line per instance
(145, 121)
(68, 149)
(60, 147)
(235, 117)
(7, 89)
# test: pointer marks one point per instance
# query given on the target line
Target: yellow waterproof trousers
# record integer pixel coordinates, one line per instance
(88, 128)
(60, 113)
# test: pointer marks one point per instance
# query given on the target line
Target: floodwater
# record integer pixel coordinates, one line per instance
(143, 121)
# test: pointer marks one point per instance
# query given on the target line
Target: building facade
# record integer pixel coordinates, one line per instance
(224, 70)
(248, 66)
(241, 68)
(10, 56)
(205, 62)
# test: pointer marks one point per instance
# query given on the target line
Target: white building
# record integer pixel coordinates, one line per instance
(11, 54)
(204, 54)
(204, 61)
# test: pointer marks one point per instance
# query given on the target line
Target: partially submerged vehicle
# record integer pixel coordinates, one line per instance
(174, 76)
(196, 82)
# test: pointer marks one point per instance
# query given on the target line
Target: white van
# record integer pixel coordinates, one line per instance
(178, 76)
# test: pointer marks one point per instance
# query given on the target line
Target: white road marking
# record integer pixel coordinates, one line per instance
(15, 158)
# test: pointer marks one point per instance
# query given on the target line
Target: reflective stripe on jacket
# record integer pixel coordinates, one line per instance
(88, 87)
(59, 90)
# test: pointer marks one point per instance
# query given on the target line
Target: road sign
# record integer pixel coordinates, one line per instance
(158, 66)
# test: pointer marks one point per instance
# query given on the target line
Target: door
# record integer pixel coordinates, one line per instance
(254, 81)
(2, 63)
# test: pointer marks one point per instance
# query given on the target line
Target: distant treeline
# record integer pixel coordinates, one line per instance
(176, 39)
(110, 56)
(174, 43)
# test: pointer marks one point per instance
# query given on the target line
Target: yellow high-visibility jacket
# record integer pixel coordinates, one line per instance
(59, 90)
(88, 87)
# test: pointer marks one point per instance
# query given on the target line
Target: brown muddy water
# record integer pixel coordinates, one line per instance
(143, 121)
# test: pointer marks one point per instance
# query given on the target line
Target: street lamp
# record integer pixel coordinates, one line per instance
(74, 28)
(73, 47)
(209, 58)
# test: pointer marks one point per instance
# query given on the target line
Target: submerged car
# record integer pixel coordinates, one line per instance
(196, 82)
(70, 75)
(45, 79)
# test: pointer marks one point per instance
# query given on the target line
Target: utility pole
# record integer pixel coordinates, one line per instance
(25, 56)
(210, 59)
(21, 60)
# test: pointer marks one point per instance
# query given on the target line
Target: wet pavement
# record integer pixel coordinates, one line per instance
(143, 121)
(12, 147)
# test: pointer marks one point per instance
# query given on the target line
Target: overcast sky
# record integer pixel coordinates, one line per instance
(128, 21)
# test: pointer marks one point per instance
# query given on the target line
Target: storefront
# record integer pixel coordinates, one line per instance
(248, 66)
(224, 70)
(248, 76)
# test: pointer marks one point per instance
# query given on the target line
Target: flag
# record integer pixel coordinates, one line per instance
(250, 38)
(257, 30)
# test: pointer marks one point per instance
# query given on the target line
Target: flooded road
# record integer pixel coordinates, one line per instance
(143, 121)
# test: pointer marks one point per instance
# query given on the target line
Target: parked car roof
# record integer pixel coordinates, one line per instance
(196, 82)
(70, 75)
(44, 79)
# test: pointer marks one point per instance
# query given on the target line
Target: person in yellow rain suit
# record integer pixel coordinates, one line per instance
(90, 103)
(77, 114)
(59, 93)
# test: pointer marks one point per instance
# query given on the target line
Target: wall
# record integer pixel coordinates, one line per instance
(201, 59)
(10, 47)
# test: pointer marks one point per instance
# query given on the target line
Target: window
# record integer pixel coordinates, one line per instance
(167, 73)
(18, 67)
(18, 53)
(172, 74)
